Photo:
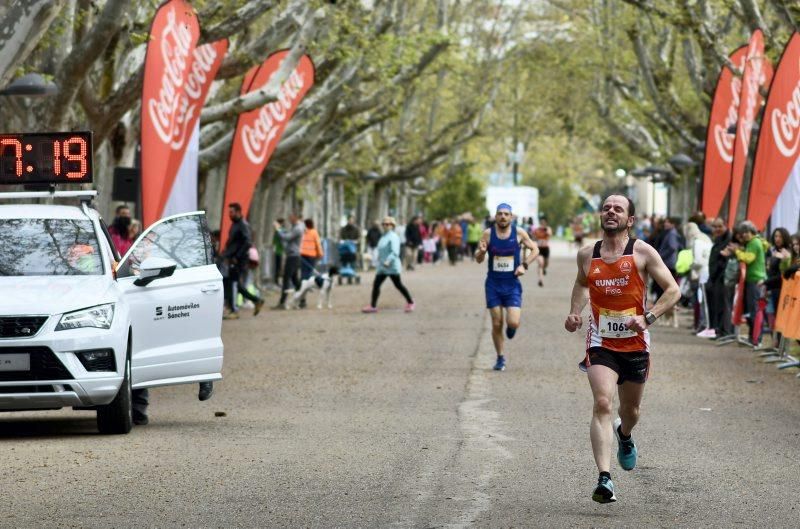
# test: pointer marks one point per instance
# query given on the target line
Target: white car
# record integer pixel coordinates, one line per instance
(78, 329)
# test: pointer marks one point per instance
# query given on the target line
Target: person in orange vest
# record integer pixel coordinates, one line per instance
(454, 235)
(310, 250)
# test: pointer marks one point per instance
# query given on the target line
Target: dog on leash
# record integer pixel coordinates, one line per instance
(321, 282)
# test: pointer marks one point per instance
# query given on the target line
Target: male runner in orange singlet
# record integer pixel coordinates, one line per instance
(614, 274)
(542, 236)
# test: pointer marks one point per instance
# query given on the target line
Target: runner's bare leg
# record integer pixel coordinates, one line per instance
(630, 397)
(497, 328)
(602, 381)
(513, 316)
(540, 267)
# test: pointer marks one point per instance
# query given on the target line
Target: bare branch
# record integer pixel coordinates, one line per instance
(241, 18)
(24, 25)
(73, 70)
(270, 91)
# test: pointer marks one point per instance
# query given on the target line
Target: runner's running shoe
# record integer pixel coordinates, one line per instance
(510, 332)
(369, 310)
(410, 306)
(500, 365)
(627, 452)
(604, 492)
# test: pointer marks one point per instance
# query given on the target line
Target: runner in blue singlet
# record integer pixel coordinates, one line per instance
(503, 242)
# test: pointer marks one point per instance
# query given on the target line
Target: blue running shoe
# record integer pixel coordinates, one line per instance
(604, 492)
(510, 332)
(500, 365)
(627, 452)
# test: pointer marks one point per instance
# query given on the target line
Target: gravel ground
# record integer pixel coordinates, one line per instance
(338, 419)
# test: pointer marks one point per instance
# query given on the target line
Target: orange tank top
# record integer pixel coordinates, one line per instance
(541, 236)
(616, 292)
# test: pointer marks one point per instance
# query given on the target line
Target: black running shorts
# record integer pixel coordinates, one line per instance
(631, 367)
(544, 251)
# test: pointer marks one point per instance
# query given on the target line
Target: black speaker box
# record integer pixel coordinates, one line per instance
(126, 184)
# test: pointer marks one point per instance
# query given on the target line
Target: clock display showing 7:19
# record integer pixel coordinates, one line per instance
(46, 157)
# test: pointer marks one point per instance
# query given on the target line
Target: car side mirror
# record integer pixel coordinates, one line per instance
(154, 268)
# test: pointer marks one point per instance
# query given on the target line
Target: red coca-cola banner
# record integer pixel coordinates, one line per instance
(779, 137)
(204, 66)
(719, 144)
(168, 64)
(757, 73)
(259, 130)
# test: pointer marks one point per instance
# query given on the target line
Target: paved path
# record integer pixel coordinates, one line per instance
(338, 419)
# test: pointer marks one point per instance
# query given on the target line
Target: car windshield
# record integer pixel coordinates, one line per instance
(48, 247)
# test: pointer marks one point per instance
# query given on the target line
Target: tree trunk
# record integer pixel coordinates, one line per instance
(214, 196)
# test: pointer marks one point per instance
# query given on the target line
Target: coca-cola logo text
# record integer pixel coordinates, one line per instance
(786, 124)
(176, 47)
(259, 135)
(722, 139)
(190, 102)
(757, 78)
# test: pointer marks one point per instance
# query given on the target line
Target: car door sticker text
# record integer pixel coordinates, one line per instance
(176, 311)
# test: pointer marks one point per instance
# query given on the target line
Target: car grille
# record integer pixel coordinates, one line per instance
(8, 390)
(20, 326)
(45, 365)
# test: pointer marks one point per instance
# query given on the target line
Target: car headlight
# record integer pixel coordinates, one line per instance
(100, 316)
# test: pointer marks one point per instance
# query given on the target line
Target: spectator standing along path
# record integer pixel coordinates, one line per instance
(310, 250)
(291, 239)
(388, 265)
(719, 297)
(753, 256)
(413, 242)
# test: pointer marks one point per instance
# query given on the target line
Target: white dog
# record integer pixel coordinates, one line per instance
(321, 282)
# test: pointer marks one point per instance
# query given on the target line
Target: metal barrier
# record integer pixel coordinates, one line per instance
(787, 324)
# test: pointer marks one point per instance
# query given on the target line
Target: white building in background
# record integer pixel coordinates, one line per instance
(524, 200)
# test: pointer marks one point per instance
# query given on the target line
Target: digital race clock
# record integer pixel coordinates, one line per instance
(46, 158)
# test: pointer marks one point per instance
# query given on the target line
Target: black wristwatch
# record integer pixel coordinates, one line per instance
(650, 318)
(525, 265)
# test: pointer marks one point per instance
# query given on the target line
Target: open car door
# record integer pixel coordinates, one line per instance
(174, 292)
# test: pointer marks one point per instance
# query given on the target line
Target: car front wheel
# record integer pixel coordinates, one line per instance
(117, 416)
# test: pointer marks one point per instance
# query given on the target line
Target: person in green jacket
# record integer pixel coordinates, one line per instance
(474, 234)
(753, 256)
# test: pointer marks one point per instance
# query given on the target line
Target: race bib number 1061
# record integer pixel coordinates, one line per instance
(613, 323)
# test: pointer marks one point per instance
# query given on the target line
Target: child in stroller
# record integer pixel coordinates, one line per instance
(348, 253)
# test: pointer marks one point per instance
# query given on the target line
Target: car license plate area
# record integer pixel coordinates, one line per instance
(15, 362)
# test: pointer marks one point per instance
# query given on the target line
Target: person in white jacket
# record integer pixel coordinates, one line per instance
(700, 244)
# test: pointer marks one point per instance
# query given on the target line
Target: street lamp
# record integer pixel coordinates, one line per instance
(336, 173)
(30, 85)
(363, 202)
(681, 163)
(657, 175)
(370, 176)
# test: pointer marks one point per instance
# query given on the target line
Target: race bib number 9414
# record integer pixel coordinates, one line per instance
(503, 263)
(612, 323)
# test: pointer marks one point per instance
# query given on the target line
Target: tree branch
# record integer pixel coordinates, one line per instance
(73, 70)
(240, 19)
(24, 25)
(270, 91)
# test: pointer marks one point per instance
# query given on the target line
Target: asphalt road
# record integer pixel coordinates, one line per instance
(338, 419)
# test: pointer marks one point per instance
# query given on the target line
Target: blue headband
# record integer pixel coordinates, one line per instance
(503, 206)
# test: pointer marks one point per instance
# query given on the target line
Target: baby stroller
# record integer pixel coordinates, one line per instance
(348, 253)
